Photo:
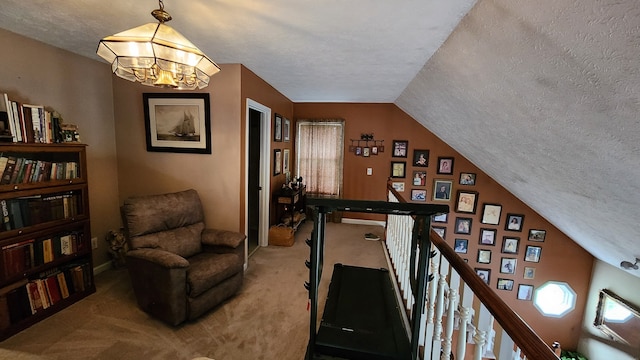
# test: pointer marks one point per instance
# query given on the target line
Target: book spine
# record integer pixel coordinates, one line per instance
(43, 293)
(6, 115)
(17, 119)
(16, 170)
(8, 170)
(47, 251)
(6, 220)
(62, 283)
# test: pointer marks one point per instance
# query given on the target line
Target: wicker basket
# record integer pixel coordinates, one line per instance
(281, 235)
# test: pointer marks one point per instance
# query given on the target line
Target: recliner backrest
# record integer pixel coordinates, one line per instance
(172, 222)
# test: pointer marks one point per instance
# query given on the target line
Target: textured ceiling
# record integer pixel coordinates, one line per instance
(544, 95)
(330, 51)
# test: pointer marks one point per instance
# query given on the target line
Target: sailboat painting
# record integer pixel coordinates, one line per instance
(177, 122)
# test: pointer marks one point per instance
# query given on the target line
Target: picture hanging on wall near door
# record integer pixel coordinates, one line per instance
(285, 161)
(277, 162)
(177, 122)
(286, 130)
(277, 128)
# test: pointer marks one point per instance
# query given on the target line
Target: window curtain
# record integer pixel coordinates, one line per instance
(319, 155)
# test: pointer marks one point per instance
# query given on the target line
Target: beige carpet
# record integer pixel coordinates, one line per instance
(268, 319)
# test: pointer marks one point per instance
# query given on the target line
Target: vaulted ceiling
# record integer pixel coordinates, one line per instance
(544, 96)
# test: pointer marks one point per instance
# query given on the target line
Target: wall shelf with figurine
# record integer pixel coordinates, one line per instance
(366, 146)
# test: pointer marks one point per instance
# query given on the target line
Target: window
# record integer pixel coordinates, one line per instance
(555, 299)
(319, 154)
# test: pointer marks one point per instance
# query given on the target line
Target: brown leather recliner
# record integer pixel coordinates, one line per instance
(179, 269)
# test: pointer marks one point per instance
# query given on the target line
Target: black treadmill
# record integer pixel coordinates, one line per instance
(362, 319)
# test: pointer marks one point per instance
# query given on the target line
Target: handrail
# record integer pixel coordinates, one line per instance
(523, 336)
(527, 340)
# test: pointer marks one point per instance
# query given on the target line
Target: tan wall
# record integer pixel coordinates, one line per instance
(215, 176)
(561, 259)
(594, 344)
(80, 90)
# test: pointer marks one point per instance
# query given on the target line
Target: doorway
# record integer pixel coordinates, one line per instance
(257, 175)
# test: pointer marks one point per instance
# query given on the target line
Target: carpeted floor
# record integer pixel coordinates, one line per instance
(267, 319)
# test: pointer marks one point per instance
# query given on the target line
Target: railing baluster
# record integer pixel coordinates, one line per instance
(506, 347)
(466, 313)
(453, 297)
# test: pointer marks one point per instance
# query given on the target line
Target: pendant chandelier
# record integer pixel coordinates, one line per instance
(157, 55)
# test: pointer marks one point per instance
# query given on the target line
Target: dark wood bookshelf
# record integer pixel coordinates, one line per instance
(44, 230)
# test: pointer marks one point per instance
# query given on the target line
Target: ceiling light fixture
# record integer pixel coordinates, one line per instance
(157, 55)
(627, 265)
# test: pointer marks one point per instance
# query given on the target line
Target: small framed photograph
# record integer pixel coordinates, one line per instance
(484, 274)
(400, 148)
(442, 190)
(461, 245)
(374, 150)
(419, 178)
(488, 237)
(491, 214)
(537, 235)
(398, 169)
(445, 165)
(440, 218)
(510, 245)
(466, 201)
(463, 226)
(467, 179)
(277, 129)
(508, 265)
(358, 150)
(286, 129)
(285, 160)
(440, 230)
(529, 273)
(532, 254)
(277, 162)
(421, 158)
(418, 195)
(366, 151)
(525, 292)
(398, 186)
(514, 222)
(505, 284)
(484, 256)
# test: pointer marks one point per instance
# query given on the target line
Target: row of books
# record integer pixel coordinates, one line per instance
(20, 170)
(28, 123)
(25, 298)
(27, 211)
(19, 257)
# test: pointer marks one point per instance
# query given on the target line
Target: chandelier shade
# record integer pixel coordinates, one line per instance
(155, 54)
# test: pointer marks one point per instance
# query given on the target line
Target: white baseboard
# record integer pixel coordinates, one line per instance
(364, 222)
(101, 268)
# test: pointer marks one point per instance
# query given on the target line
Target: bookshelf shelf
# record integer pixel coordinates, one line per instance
(45, 233)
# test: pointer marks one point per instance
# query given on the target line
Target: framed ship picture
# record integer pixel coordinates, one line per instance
(177, 122)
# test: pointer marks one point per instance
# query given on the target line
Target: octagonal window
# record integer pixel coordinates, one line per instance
(554, 298)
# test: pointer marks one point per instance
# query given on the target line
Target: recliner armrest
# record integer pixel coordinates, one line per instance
(160, 257)
(215, 237)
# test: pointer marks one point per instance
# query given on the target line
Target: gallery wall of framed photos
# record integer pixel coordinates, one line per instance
(423, 169)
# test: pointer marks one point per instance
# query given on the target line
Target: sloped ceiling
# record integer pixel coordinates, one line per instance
(541, 95)
(544, 96)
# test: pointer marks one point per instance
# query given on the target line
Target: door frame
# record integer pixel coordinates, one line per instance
(265, 171)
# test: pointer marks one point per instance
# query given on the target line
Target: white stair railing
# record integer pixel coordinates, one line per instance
(460, 309)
